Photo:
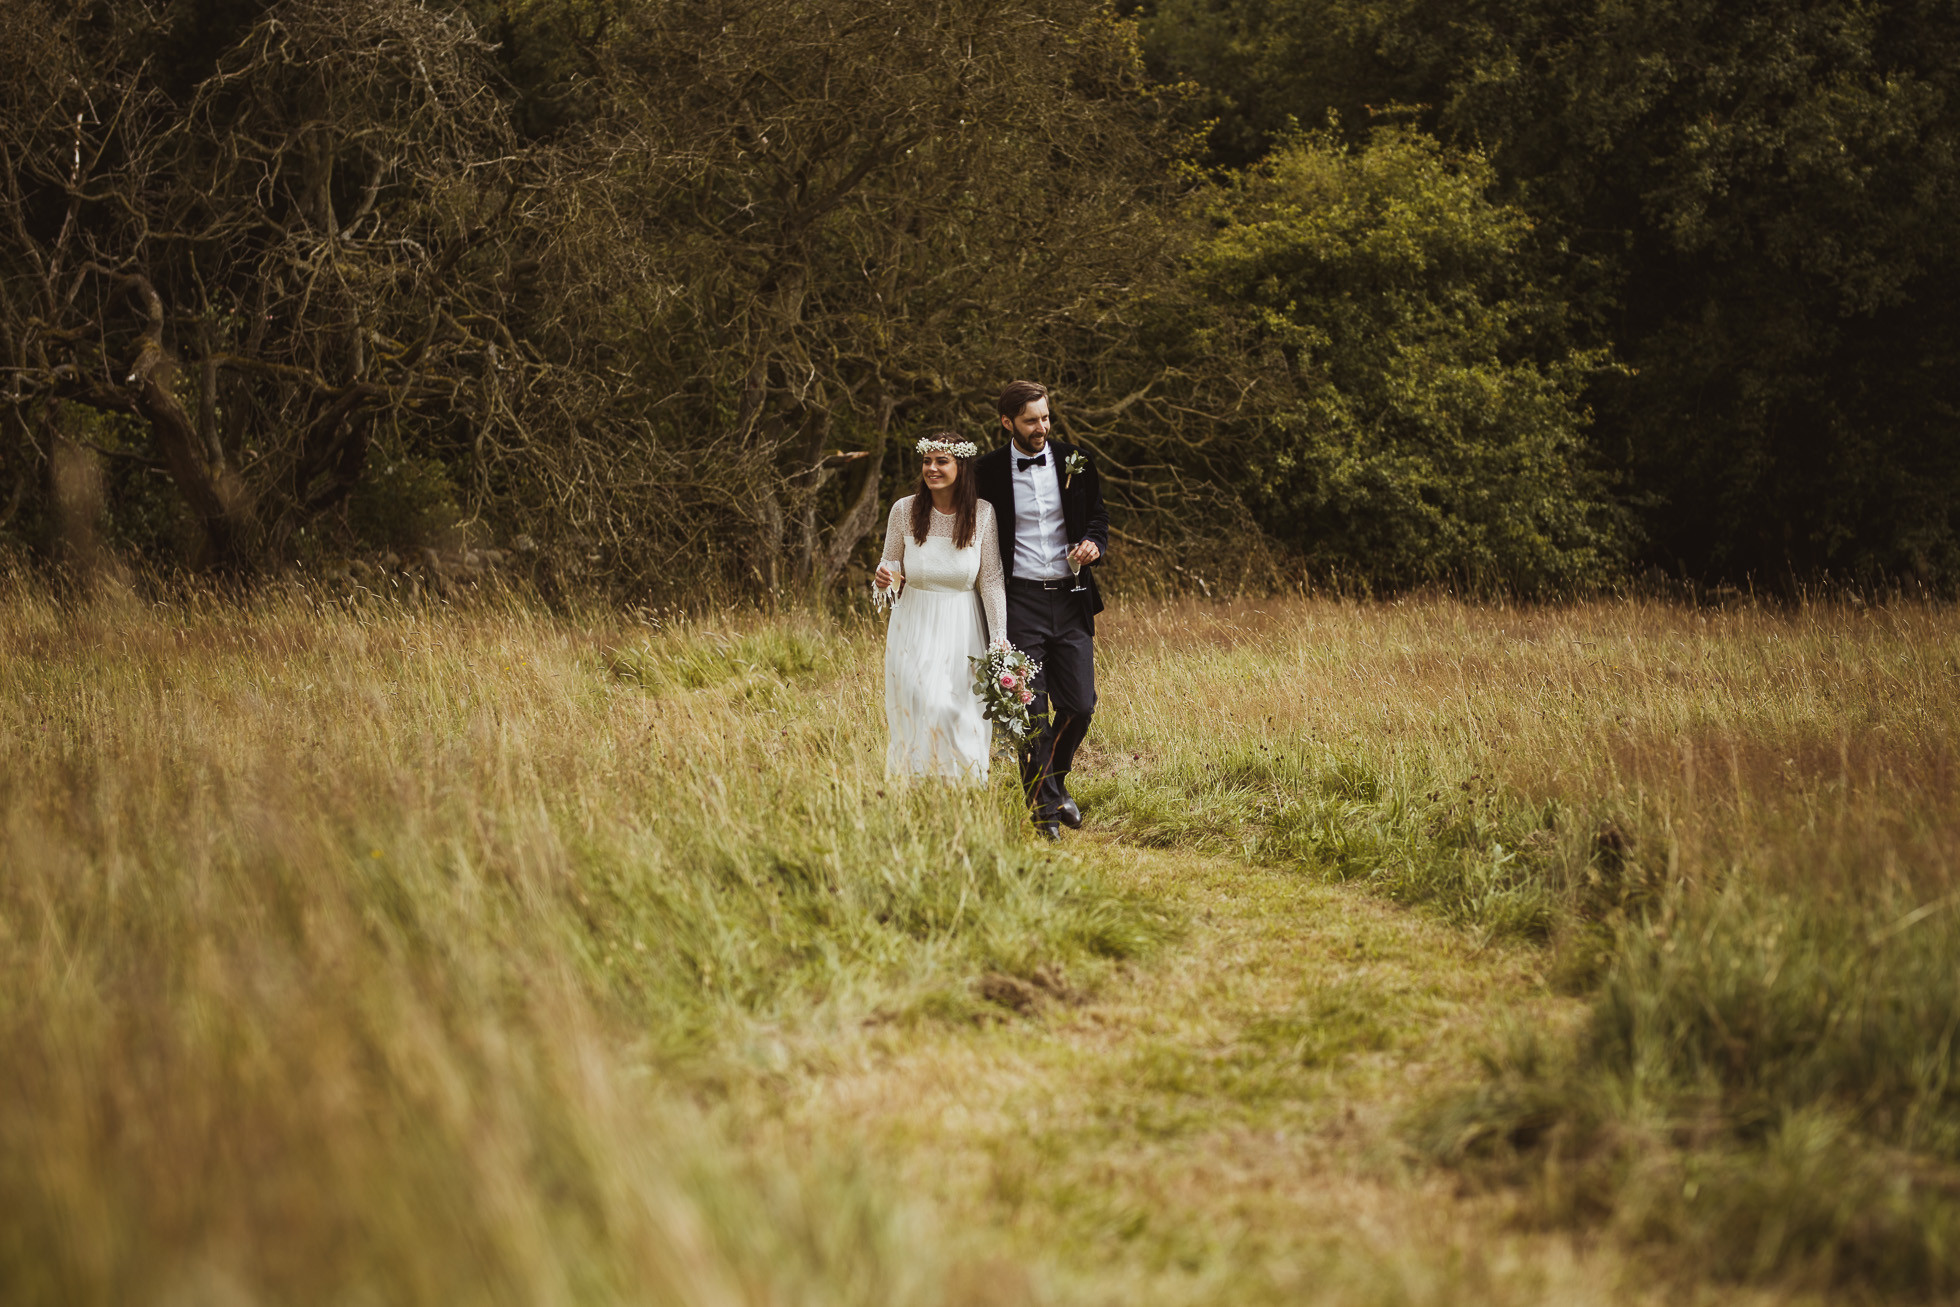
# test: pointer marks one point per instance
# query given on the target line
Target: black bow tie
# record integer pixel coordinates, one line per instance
(1023, 464)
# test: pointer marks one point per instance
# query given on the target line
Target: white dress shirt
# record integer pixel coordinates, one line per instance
(1040, 536)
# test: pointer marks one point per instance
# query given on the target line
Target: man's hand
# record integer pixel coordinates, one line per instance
(1084, 553)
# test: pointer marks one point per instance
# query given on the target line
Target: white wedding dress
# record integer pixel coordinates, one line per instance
(946, 604)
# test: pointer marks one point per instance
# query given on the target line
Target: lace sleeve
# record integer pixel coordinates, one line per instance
(992, 582)
(901, 517)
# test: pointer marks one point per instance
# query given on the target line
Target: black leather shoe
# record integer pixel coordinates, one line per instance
(1050, 830)
(1068, 814)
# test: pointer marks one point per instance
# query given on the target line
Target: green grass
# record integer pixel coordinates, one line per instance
(334, 944)
(1765, 1081)
(376, 952)
(1478, 856)
(1734, 835)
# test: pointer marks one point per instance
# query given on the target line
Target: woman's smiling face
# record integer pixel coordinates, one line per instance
(941, 471)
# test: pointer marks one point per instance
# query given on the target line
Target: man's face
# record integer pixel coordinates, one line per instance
(1029, 427)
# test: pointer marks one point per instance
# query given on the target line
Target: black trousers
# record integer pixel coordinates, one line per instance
(1051, 626)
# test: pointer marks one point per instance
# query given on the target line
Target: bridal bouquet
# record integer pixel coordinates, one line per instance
(1003, 677)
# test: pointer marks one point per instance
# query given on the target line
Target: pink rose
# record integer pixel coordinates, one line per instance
(1007, 680)
(1027, 696)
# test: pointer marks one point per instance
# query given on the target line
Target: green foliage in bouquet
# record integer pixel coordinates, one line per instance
(1003, 677)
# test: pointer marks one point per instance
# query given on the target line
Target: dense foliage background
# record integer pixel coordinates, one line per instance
(656, 295)
(1750, 206)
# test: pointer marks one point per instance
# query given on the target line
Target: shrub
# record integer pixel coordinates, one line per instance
(1409, 431)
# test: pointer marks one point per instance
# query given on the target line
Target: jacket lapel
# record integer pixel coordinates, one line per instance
(1058, 455)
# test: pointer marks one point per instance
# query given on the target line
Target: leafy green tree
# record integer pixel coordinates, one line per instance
(1754, 206)
(1411, 428)
(1762, 206)
(1260, 68)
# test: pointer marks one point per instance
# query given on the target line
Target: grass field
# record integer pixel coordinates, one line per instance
(1414, 953)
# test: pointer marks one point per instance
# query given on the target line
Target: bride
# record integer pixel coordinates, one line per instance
(941, 571)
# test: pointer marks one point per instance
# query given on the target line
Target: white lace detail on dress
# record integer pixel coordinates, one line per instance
(951, 598)
(991, 580)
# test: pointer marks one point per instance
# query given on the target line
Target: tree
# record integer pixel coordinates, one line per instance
(1753, 206)
(663, 285)
(1410, 431)
(260, 258)
(1770, 192)
(1262, 68)
(861, 219)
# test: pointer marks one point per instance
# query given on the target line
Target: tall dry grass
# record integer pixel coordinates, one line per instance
(367, 951)
(1738, 830)
(381, 954)
(1813, 750)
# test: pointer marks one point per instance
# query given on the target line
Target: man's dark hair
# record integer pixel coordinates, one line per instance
(1018, 395)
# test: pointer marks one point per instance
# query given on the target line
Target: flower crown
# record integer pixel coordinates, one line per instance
(957, 448)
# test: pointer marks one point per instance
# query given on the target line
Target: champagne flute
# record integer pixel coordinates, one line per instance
(1075, 570)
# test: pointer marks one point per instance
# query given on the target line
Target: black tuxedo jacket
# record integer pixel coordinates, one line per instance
(1083, 515)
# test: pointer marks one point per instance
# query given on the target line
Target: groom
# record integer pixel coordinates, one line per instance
(1048, 503)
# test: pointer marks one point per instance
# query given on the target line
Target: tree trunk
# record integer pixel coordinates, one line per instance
(75, 493)
(862, 516)
(153, 376)
(810, 485)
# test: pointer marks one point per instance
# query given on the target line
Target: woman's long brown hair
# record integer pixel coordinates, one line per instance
(966, 500)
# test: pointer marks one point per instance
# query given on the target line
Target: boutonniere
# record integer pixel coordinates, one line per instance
(1074, 464)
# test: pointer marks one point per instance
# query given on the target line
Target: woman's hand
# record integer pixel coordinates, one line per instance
(886, 578)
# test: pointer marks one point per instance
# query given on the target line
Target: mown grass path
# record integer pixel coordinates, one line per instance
(1221, 1123)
